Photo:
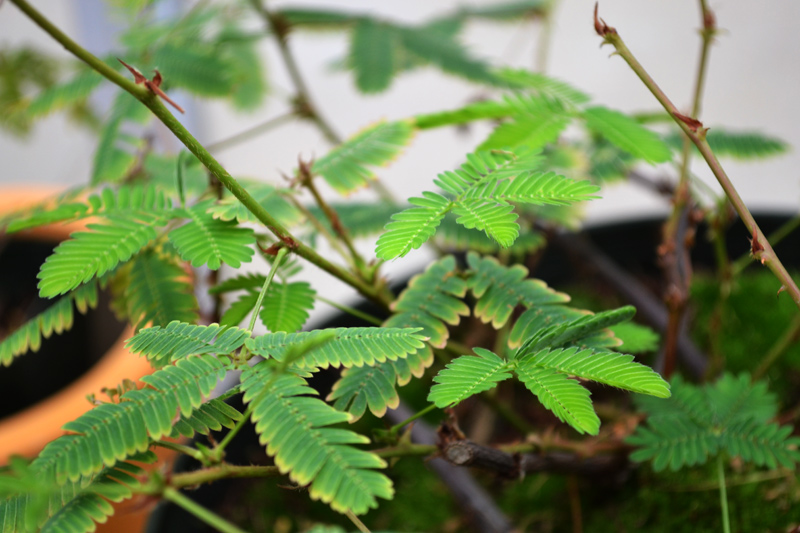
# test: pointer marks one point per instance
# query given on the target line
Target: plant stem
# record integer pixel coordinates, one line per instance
(210, 518)
(775, 237)
(761, 247)
(221, 471)
(406, 449)
(267, 282)
(308, 182)
(358, 523)
(786, 340)
(250, 133)
(351, 311)
(320, 227)
(418, 414)
(723, 495)
(197, 455)
(155, 105)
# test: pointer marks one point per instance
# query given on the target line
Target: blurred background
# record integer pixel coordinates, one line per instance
(751, 84)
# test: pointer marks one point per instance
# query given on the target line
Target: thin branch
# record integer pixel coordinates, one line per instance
(210, 518)
(250, 133)
(377, 294)
(761, 249)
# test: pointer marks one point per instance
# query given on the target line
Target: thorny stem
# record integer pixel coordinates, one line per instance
(377, 294)
(775, 237)
(307, 180)
(674, 250)
(320, 227)
(761, 248)
(210, 518)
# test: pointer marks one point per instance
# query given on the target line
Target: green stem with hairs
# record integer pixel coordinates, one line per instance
(762, 250)
(723, 495)
(151, 100)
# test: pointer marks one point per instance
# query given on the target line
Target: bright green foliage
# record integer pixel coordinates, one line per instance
(179, 340)
(239, 310)
(112, 432)
(20, 69)
(468, 375)
(158, 291)
(431, 299)
(454, 236)
(627, 134)
(732, 415)
(742, 145)
(500, 289)
(445, 53)
(211, 416)
(545, 367)
(482, 189)
(123, 201)
(488, 109)
(372, 53)
(347, 346)
(205, 240)
(71, 507)
(89, 254)
(610, 368)
(366, 386)
(55, 319)
(71, 92)
(198, 68)
(270, 198)
(538, 318)
(636, 338)
(542, 85)
(286, 306)
(293, 425)
(346, 167)
(536, 122)
(317, 18)
(114, 158)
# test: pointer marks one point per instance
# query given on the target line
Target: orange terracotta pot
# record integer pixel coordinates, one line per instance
(26, 433)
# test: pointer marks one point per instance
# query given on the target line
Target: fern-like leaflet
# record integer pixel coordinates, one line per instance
(346, 167)
(482, 190)
(732, 415)
(293, 425)
(55, 319)
(545, 367)
(431, 300)
(179, 340)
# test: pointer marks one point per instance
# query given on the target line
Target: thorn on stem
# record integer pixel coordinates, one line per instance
(600, 25)
(756, 247)
(153, 86)
(692, 123)
(783, 288)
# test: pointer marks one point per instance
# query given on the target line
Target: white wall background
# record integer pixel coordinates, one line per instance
(752, 84)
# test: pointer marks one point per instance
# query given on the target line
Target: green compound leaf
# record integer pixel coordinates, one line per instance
(55, 319)
(468, 375)
(347, 346)
(500, 289)
(269, 197)
(542, 85)
(372, 53)
(743, 145)
(347, 167)
(286, 306)
(627, 134)
(412, 227)
(158, 291)
(610, 368)
(366, 386)
(564, 397)
(89, 254)
(205, 240)
(536, 124)
(293, 425)
(178, 340)
(211, 416)
(635, 338)
(112, 432)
